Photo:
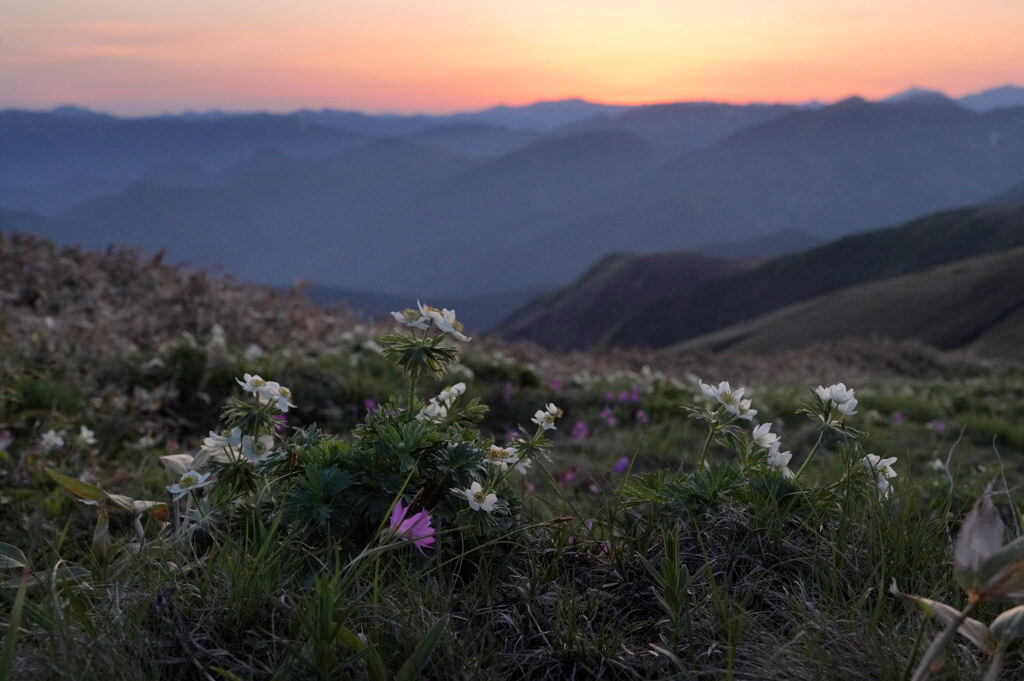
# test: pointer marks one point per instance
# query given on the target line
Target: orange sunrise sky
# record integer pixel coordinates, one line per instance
(138, 57)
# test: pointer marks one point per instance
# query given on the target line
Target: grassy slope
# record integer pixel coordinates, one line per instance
(662, 313)
(976, 304)
(588, 311)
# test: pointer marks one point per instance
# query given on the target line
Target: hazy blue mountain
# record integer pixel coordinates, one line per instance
(540, 116)
(683, 125)
(278, 218)
(49, 148)
(1003, 97)
(407, 215)
(473, 140)
(768, 246)
(912, 92)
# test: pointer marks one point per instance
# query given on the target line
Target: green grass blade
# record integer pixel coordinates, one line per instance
(7, 654)
(414, 666)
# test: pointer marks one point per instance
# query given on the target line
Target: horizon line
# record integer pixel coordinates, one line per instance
(456, 112)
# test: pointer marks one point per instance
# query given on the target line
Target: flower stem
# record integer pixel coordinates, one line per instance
(810, 456)
(414, 378)
(707, 446)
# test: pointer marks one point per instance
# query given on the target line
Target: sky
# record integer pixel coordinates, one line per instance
(440, 56)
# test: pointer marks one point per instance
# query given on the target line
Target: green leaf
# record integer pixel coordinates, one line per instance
(13, 624)
(11, 557)
(1009, 625)
(82, 490)
(414, 666)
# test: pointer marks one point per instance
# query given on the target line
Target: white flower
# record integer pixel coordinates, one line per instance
(189, 481)
(223, 448)
(252, 383)
(412, 318)
(731, 399)
(742, 410)
(478, 499)
(839, 393)
(708, 390)
(267, 392)
(937, 465)
(882, 470)
(779, 461)
(762, 437)
(523, 466)
(444, 320)
(448, 396)
(52, 440)
(545, 418)
(847, 408)
(277, 394)
(434, 411)
(255, 450)
(253, 352)
(501, 457)
(86, 436)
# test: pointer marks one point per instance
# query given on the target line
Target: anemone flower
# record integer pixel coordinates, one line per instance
(415, 528)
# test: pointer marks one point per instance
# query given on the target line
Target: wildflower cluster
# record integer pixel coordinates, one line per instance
(833, 405)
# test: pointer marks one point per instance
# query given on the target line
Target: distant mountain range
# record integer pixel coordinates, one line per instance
(902, 282)
(502, 201)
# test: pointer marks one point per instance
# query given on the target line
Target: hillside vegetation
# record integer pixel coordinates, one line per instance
(663, 314)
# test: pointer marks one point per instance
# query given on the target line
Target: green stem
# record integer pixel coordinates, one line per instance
(810, 456)
(707, 446)
(412, 385)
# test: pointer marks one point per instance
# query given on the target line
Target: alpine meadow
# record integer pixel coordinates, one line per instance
(699, 357)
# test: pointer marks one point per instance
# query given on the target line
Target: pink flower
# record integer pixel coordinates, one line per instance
(415, 528)
(622, 465)
(580, 431)
(568, 475)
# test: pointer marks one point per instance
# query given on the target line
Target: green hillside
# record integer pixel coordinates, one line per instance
(975, 304)
(662, 313)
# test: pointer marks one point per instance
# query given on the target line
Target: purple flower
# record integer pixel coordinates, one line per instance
(897, 417)
(506, 397)
(624, 396)
(415, 528)
(281, 427)
(635, 395)
(938, 426)
(556, 384)
(371, 405)
(622, 465)
(642, 417)
(609, 396)
(580, 431)
(609, 416)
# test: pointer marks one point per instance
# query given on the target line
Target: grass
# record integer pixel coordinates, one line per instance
(660, 571)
